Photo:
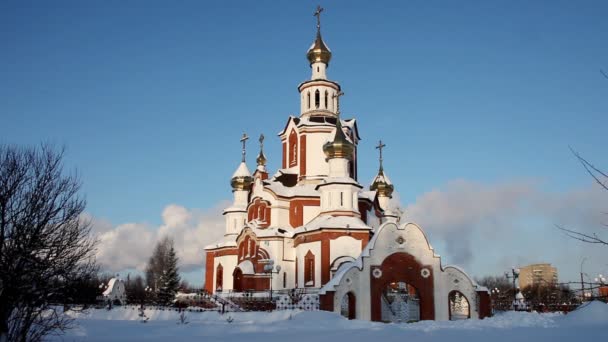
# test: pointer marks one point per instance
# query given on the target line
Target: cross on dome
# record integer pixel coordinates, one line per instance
(380, 147)
(318, 15)
(244, 141)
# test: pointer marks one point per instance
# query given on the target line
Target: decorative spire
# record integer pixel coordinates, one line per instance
(340, 147)
(261, 160)
(318, 52)
(380, 147)
(244, 141)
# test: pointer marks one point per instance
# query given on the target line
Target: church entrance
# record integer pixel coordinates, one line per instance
(237, 276)
(400, 303)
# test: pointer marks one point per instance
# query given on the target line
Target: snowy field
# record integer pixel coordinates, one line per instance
(589, 323)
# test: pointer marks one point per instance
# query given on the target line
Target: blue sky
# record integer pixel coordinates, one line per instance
(150, 97)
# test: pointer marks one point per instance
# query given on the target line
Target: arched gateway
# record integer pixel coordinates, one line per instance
(399, 278)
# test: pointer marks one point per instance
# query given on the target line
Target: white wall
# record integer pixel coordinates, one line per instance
(344, 246)
(301, 250)
(310, 212)
(229, 263)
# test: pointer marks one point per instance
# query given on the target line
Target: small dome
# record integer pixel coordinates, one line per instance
(318, 52)
(340, 146)
(382, 185)
(241, 179)
(261, 159)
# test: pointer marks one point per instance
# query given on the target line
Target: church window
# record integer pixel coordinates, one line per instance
(219, 278)
(308, 99)
(309, 269)
(341, 199)
(293, 148)
(317, 69)
(317, 98)
(284, 280)
(326, 96)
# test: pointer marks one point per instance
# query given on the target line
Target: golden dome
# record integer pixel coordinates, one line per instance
(241, 179)
(319, 52)
(382, 185)
(261, 159)
(340, 147)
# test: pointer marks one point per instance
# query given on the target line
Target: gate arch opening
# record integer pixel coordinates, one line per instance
(400, 303)
(348, 306)
(459, 307)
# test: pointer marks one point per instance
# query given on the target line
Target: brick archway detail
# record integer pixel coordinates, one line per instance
(402, 267)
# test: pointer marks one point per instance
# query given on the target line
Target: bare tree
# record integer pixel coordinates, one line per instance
(45, 246)
(601, 178)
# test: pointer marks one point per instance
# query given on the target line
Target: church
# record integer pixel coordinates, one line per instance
(311, 226)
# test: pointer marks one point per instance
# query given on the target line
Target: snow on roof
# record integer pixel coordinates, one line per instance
(227, 241)
(328, 221)
(242, 171)
(111, 284)
(341, 180)
(368, 195)
(306, 190)
(246, 266)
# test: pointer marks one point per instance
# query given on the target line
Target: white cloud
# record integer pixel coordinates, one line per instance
(495, 226)
(128, 246)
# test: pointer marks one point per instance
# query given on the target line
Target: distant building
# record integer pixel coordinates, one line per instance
(541, 274)
(114, 292)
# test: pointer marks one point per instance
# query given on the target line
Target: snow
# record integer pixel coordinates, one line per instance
(123, 324)
(328, 221)
(110, 288)
(242, 171)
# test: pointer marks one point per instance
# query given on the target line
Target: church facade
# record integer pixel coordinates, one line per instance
(311, 226)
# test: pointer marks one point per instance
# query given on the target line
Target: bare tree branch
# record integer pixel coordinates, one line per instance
(592, 170)
(588, 238)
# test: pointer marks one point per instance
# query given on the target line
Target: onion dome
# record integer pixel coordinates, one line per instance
(340, 146)
(261, 159)
(382, 185)
(318, 52)
(241, 179)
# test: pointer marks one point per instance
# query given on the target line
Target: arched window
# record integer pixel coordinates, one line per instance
(317, 98)
(309, 269)
(308, 99)
(219, 278)
(326, 97)
(293, 148)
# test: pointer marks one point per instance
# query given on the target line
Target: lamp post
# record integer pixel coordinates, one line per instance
(514, 276)
(582, 281)
(271, 269)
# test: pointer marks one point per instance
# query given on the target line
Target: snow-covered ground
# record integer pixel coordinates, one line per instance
(589, 323)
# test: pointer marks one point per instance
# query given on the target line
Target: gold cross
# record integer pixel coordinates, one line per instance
(244, 140)
(318, 15)
(380, 147)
